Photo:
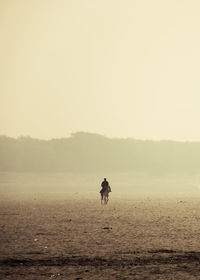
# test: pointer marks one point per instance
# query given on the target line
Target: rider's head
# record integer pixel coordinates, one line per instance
(104, 179)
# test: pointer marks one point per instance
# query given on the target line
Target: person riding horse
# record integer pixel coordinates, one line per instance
(105, 185)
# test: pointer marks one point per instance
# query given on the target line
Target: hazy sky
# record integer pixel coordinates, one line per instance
(121, 68)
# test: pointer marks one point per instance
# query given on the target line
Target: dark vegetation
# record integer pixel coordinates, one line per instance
(86, 152)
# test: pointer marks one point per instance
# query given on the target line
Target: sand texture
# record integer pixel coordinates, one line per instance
(75, 237)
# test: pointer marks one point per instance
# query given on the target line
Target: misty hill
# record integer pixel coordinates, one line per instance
(86, 152)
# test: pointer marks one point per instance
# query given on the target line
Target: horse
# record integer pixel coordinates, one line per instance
(105, 195)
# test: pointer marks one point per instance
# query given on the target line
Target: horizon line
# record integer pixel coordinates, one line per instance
(73, 134)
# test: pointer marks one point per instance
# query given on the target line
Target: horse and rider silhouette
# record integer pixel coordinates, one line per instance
(105, 190)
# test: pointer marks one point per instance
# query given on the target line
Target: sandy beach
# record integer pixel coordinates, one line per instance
(74, 237)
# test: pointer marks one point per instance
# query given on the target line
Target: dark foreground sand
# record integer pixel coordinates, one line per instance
(74, 237)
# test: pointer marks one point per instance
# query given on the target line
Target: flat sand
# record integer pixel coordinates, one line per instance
(75, 237)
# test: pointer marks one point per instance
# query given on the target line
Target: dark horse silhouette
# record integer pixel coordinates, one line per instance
(105, 194)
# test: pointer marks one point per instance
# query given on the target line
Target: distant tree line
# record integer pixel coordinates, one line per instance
(86, 152)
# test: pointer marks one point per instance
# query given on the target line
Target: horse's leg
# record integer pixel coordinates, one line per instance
(107, 197)
(106, 201)
(101, 198)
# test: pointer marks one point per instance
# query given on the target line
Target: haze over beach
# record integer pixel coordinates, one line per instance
(78, 164)
(92, 89)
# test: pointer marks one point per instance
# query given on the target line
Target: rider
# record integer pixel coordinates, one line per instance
(104, 186)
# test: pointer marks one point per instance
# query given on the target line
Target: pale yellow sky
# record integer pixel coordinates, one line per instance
(121, 68)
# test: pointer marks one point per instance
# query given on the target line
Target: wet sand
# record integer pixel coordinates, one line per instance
(74, 237)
